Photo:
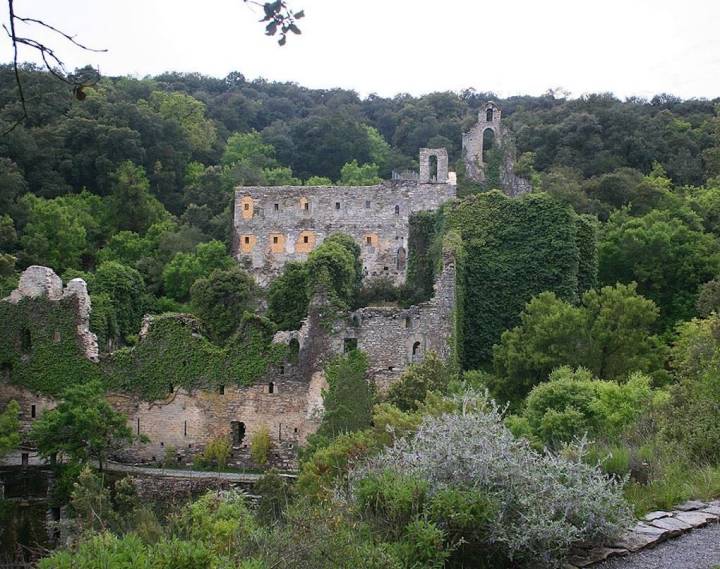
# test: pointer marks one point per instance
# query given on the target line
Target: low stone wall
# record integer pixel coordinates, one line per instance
(652, 529)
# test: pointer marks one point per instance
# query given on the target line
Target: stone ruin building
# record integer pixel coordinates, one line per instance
(274, 225)
(487, 133)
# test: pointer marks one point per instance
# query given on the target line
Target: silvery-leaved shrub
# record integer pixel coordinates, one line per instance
(545, 503)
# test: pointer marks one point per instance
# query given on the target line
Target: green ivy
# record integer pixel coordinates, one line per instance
(39, 350)
(175, 354)
(39, 347)
(514, 249)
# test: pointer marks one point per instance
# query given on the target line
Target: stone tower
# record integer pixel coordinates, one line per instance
(489, 133)
(485, 131)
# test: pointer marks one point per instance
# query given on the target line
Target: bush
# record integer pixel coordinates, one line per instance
(545, 503)
(217, 452)
(433, 374)
(274, 493)
(260, 445)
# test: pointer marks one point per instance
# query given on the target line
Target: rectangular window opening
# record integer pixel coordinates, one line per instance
(32, 411)
(337, 205)
(306, 239)
(277, 206)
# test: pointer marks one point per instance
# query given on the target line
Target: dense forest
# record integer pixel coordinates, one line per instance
(587, 384)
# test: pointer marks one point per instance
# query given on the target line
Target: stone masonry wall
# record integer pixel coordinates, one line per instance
(274, 225)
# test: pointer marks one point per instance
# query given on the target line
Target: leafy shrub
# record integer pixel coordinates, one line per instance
(274, 493)
(260, 445)
(432, 374)
(545, 503)
(217, 452)
(572, 403)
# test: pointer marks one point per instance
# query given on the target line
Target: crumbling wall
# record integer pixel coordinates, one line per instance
(274, 225)
(489, 118)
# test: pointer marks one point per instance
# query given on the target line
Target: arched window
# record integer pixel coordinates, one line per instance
(488, 142)
(489, 114)
(401, 259)
(416, 348)
(271, 387)
(433, 168)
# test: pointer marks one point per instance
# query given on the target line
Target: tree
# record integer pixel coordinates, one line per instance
(189, 113)
(248, 147)
(134, 208)
(610, 334)
(185, 268)
(333, 267)
(288, 296)
(12, 184)
(349, 397)
(354, 174)
(432, 374)
(9, 427)
(83, 426)
(222, 298)
(125, 288)
(668, 255)
(53, 235)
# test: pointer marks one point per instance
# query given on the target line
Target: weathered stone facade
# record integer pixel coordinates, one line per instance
(287, 399)
(274, 225)
(489, 131)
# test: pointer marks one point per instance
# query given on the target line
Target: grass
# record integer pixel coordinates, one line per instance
(677, 484)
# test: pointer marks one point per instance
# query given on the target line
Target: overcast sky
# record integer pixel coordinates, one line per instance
(628, 47)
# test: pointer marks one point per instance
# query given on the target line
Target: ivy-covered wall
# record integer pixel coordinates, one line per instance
(39, 346)
(514, 248)
(174, 353)
(39, 350)
(423, 255)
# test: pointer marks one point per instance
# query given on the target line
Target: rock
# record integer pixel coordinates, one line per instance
(640, 537)
(673, 525)
(696, 519)
(656, 515)
(596, 555)
(712, 508)
(690, 505)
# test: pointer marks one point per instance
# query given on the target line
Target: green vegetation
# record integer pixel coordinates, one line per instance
(9, 428)
(83, 427)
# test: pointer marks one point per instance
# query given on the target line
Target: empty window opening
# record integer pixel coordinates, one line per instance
(488, 143)
(238, 432)
(281, 371)
(185, 429)
(247, 240)
(386, 268)
(56, 336)
(408, 322)
(306, 239)
(5, 370)
(350, 344)
(25, 458)
(337, 205)
(489, 114)
(32, 411)
(171, 388)
(295, 430)
(401, 261)
(391, 368)
(25, 341)
(138, 425)
(433, 167)
(277, 207)
(247, 206)
(222, 390)
(397, 210)
(162, 444)
(368, 240)
(306, 205)
(271, 387)
(416, 351)
(275, 239)
(294, 348)
(367, 204)
(356, 321)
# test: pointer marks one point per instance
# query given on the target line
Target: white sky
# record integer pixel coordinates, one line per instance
(628, 47)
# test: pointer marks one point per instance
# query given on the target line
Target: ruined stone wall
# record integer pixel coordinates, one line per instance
(274, 225)
(188, 421)
(489, 118)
